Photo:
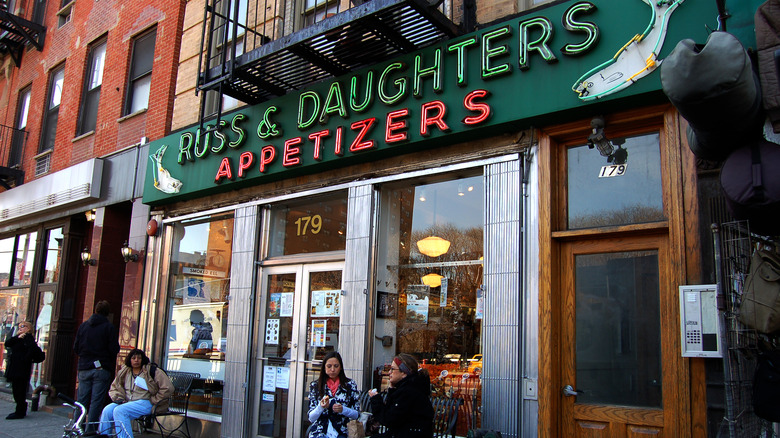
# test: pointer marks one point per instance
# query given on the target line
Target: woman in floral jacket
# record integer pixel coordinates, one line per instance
(333, 400)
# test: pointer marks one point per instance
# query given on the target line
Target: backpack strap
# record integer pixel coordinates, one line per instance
(755, 171)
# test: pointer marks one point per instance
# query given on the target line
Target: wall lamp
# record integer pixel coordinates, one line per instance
(127, 253)
(598, 139)
(86, 257)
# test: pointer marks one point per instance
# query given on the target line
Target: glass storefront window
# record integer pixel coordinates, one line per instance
(309, 226)
(53, 255)
(6, 258)
(13, 304)
(600, 195)
(25, 256)
(17, 254)
(198, 306)
(429, 273)
(16, 271)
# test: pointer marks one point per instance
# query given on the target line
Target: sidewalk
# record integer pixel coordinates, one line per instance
(47, 422)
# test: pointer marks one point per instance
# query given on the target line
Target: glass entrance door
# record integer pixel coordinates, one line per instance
(298, 325)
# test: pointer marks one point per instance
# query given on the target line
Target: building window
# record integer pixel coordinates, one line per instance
(65, 12)
(92, 84)
(17, 254)
(16, 259)
(198, 305)
(39, 12)
(140, 79)
(318, 10)
(309, 226)
(212, 96)
(222, 45)
(20, 135)
(634, 195)
(53, 100)
(52, 256)
(428, 280)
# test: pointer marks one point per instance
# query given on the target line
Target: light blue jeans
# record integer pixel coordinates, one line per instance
(93, 387)
(123, 416)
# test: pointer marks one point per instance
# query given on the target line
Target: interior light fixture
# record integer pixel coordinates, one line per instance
(86, 257)
(422, 197)
(127, 253)
(433, 246)
(461, 190)
(432, 280)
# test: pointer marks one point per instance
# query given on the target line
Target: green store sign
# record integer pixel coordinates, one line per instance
(506, 77)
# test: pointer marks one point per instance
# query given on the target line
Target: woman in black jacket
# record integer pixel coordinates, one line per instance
(407, 411)
(22, 352)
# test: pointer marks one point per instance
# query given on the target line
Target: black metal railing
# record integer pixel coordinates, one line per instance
(16, 32)
(12, 142)
(255, 50)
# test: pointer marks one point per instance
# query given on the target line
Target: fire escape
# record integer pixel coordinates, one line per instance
(255, 52)
(16, 34)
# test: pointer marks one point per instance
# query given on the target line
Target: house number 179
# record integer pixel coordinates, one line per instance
(304, 222)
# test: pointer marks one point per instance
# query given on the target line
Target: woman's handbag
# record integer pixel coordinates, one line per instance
(760, 307)
(355, 429)
(372, 426)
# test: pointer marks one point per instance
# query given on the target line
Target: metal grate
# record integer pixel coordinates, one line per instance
(736, 245)
(42, 165)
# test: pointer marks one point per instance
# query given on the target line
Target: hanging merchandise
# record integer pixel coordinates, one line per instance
(760, 307)
(751, 185)
(766, 386)
(768, 42)
(716, 90)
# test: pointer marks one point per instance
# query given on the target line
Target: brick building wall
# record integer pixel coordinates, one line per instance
(118, 22)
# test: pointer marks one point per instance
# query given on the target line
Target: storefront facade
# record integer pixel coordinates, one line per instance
(444, 204)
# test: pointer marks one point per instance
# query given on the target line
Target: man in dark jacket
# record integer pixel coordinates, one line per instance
(97, 346)
(22, 351)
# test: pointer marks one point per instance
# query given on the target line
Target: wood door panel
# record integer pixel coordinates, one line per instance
(642, 431)
(645, 417)
(592, 429)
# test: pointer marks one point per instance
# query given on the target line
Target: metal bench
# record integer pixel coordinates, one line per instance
(178, 404)
(445, 415)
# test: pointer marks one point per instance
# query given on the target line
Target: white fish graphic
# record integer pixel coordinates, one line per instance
(635, 60)
(163, 181)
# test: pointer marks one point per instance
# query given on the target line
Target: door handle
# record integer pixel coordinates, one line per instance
(568, 391)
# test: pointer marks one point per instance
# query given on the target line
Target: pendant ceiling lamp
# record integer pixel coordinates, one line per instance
(433, 246)
(432, 280)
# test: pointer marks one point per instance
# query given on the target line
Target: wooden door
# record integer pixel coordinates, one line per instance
(613, 372)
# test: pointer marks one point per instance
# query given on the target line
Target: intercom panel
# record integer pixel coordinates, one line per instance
(699, 321)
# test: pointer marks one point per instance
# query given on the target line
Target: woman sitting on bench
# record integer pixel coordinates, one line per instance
(407, 412)
(136, 391)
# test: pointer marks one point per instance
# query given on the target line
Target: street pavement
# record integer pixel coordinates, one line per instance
(47, 422)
